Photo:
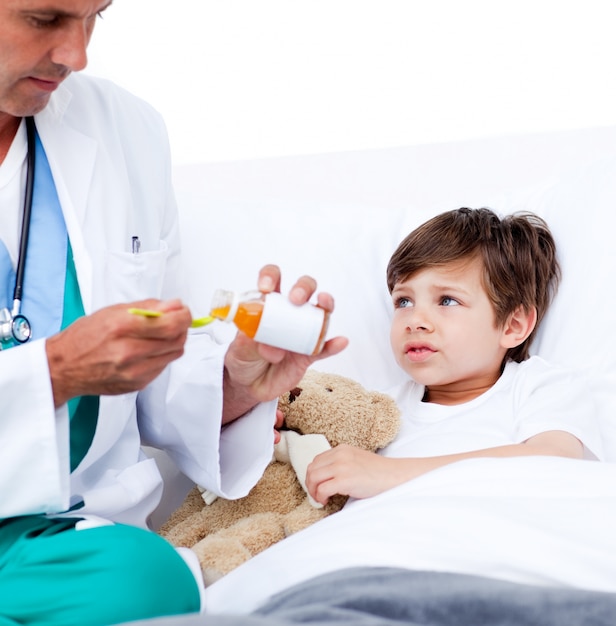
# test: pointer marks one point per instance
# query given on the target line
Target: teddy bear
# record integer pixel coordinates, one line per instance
(324, 410)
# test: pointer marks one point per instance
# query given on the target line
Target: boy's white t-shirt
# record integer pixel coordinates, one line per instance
(529, 398)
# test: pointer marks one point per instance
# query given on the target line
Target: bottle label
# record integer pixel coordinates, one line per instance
(289, 326)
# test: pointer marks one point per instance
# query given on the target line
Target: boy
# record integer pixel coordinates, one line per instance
(469, 290)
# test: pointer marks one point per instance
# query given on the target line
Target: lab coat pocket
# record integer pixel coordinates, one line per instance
(130, 276)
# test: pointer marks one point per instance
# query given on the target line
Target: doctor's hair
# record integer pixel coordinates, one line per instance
(518, 254)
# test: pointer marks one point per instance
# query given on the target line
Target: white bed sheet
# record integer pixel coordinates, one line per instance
(538, 520)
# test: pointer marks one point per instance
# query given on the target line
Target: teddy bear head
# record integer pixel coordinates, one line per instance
(342, 410)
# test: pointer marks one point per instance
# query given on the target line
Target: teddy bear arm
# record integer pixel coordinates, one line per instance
(191, 504)
(223, 551)
(278, 491)
(305, 514)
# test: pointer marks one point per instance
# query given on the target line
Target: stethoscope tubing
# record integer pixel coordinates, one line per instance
(25, 225)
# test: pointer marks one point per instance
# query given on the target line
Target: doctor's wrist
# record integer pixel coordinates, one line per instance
(56, 358)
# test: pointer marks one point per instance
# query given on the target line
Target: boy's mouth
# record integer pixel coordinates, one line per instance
(419, 352)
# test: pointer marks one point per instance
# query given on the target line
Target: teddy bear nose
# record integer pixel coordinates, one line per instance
(294, 394)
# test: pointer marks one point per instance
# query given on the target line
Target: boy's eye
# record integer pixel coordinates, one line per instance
(402, 303)
(449, 301)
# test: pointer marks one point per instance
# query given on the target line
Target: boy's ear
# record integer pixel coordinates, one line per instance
(518, 327)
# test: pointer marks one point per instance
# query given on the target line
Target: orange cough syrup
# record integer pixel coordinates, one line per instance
(274, 320)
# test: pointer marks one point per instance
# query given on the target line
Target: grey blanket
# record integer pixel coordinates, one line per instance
(392, 597)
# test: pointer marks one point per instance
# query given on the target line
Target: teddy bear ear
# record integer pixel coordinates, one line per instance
(376, 397)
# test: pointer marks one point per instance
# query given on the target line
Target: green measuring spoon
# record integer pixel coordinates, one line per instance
(196, 323)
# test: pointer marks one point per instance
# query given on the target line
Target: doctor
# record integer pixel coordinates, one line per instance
(89, 229)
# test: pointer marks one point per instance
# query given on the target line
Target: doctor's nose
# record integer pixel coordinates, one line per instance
(70, 50)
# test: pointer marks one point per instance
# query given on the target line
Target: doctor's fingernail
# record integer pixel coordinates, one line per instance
(266, 283)
(298, 295)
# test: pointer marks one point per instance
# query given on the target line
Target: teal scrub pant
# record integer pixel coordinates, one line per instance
(52, 574)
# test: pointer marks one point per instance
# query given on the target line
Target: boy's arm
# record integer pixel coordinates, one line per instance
(354, 472)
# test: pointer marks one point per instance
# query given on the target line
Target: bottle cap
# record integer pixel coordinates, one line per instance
(222, 299)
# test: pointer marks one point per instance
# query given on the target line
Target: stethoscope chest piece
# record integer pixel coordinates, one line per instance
(13, 329)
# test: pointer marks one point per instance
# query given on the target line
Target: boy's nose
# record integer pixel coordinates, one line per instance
(418, 321)
(418, 326)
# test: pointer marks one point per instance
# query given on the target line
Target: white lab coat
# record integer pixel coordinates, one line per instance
(108, 152)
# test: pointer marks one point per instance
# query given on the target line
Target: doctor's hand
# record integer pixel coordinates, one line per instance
(112, 352)
(255, 372)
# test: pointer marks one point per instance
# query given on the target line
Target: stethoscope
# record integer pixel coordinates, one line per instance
(13, 325)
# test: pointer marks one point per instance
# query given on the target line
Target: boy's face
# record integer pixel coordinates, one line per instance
(443, 332)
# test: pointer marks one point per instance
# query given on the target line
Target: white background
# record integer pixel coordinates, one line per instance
(238, 79)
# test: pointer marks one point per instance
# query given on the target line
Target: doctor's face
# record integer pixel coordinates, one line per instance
(41, 43)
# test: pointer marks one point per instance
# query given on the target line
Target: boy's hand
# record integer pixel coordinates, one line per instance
(349, 471)
(354, 472)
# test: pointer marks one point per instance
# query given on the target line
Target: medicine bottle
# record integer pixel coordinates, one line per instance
(272, 319)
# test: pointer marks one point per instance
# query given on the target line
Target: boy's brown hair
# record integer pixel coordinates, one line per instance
(518, 254)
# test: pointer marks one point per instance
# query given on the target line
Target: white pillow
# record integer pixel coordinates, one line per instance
(346, 243)
(579, 329)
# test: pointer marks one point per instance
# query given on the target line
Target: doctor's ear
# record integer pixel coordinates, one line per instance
(518, 327)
